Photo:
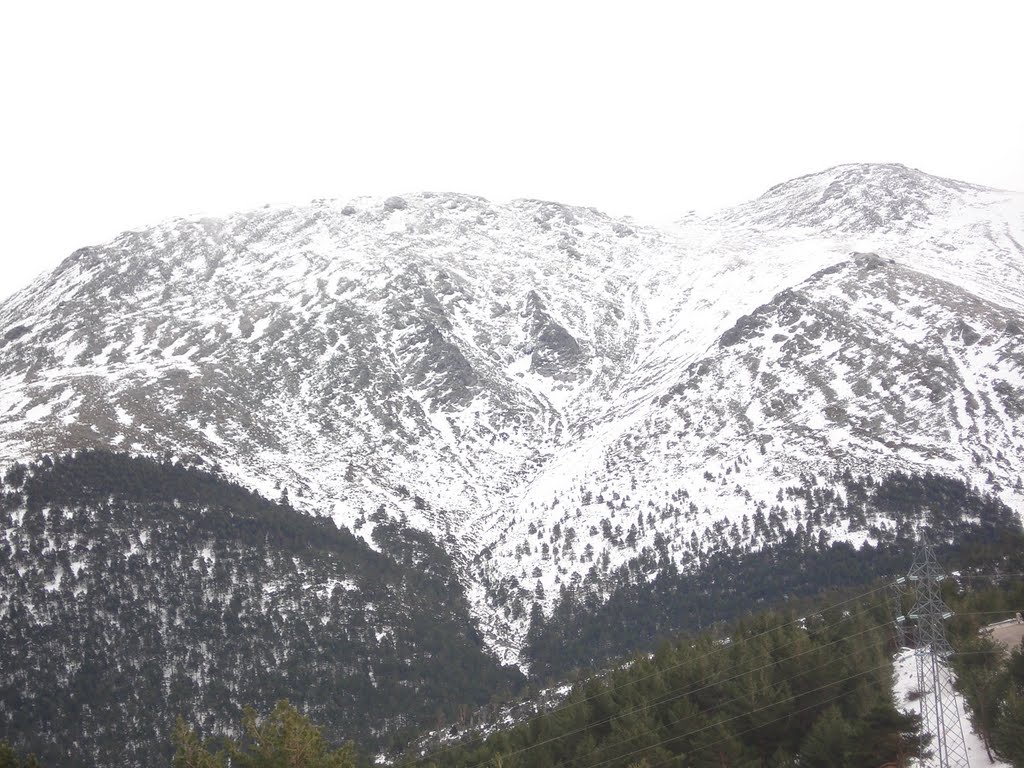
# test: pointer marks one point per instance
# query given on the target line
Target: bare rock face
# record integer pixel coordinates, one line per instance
(509, 365)
(554, 352)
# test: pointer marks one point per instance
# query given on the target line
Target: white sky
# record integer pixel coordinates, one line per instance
(115, 115)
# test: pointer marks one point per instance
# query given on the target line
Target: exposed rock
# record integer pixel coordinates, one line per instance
(553, 350)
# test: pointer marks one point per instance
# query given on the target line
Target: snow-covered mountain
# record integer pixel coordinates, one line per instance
(502, 374)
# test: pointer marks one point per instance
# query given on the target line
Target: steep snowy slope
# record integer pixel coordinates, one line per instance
(437, 343)
(964, 233)
(470, 362)
(867, 366)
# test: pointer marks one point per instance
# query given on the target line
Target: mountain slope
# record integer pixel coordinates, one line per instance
(467, 363)
(135, 591)
(867, 367)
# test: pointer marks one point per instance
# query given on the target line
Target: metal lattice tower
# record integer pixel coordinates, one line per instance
(895, 595)
(940, 713)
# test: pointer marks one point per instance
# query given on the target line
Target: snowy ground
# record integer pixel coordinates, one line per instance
(906, 681)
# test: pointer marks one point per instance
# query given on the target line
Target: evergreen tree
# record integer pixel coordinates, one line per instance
(283, 739)
(1008, 735)
(10, 759)
(828, 742)
(191, 752)
(886, 735)
(984, 682)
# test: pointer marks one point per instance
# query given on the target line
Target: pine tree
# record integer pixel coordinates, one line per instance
(191, 752)
(283, 739)
(1009, 733)
(886, 735)
(984, 682)
(10, 759)
(828, 742)
(286, 739)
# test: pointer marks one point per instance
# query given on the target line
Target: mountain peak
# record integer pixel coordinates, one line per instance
(891, 177)
(857, 198)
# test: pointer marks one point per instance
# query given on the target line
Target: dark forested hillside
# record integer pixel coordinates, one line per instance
(132, 591)
(771, 690)
(974, 529)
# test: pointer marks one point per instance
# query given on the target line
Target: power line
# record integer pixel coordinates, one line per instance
(750, 712)
(940, 711)
(745, 714)
(987, 575)
(674, 694)
(682, 694)
(678, 693)
(690, 661)
(754, 728)
(736, 717)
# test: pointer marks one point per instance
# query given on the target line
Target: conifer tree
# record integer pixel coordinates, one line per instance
(984, 682)
(283, 739)
(1009, 733)
(10, 759)
(828, 742)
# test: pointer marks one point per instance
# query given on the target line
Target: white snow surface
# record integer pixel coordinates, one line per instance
(906, 682)
(492, 371)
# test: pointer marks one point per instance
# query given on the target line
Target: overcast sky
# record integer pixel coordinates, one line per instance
(116, 115)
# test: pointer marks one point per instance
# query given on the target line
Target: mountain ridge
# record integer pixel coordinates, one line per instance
(462, 360)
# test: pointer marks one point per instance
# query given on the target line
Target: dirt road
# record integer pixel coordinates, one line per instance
(1007, 634)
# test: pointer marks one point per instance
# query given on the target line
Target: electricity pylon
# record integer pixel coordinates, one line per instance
(940, 713)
